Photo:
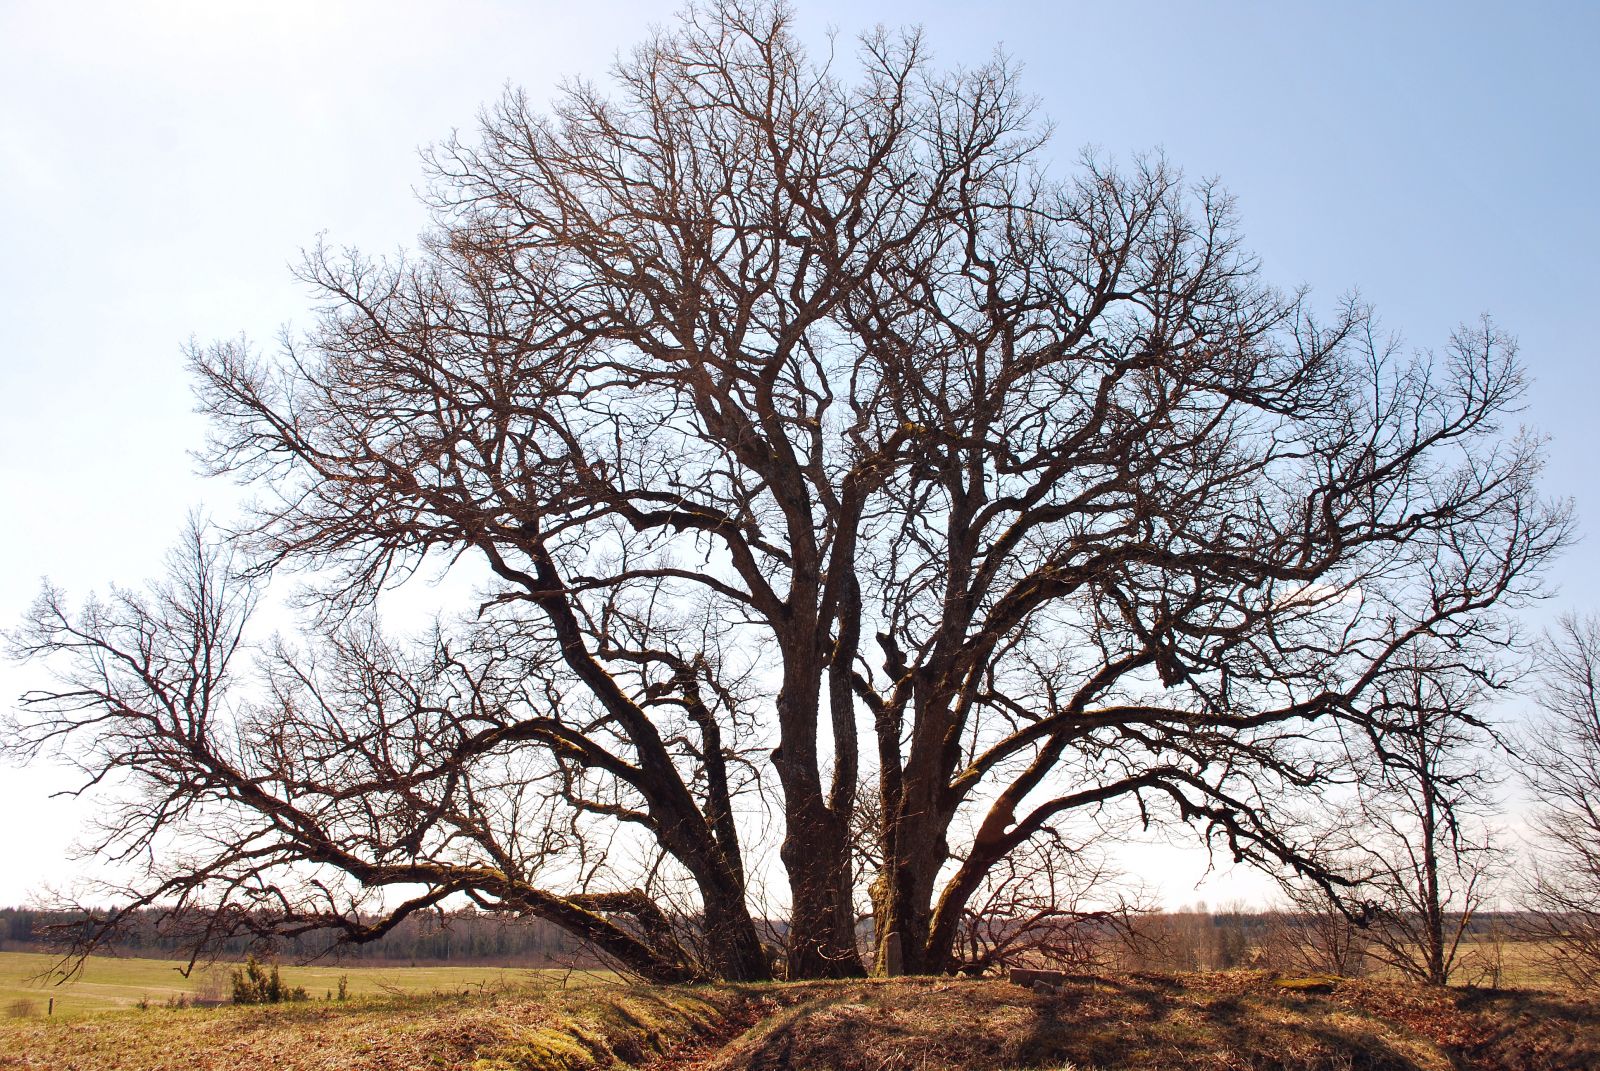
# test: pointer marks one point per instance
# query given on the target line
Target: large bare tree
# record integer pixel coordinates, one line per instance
(813, 415)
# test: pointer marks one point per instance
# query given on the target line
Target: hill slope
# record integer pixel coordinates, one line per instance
(1216, 1022)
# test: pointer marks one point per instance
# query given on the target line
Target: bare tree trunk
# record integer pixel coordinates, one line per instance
(1432, 901)
(815, 852)
(915, 848)
(731, 937)
(816, 845)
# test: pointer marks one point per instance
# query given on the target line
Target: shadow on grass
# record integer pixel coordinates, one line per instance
(1110, 1024)
(1496, 1029)
(1155, 1023)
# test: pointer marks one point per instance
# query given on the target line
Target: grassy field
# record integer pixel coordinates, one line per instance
(110, 983)
(545, 1029)
(1521, 965)
(1489, 964)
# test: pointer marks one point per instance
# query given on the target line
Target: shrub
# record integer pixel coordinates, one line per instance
(255, 984)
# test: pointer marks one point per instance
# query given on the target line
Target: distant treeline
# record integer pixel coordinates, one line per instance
(1177, 940)
(1195, 939)
(454, 938)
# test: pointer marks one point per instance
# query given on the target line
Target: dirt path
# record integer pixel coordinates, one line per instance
(703, 1051)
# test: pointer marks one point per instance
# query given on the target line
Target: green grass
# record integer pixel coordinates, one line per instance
(111, 983)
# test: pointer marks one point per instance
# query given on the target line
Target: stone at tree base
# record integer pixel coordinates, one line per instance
(1031, 978)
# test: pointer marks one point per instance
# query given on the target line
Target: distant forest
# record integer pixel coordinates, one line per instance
(1188, 939)
(456, 937)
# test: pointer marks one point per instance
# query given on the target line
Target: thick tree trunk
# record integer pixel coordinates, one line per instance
(816, 853)
(915, 848)
(732, 942)
(903, 918)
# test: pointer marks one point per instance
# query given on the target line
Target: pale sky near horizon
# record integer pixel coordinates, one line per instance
(161, 164)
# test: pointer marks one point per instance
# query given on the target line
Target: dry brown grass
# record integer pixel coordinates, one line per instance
(1230, 1021)
(603, 1026)
(1203, 1023)
(1489, 1030)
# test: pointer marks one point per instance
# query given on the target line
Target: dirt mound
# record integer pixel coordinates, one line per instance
(1237, 1021)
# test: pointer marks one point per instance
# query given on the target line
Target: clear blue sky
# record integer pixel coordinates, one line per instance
(162, 162)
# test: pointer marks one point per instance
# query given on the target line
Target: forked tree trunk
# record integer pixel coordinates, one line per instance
(816, 853)
(915, 848)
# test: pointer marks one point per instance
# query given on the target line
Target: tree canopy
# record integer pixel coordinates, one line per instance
(842, 469)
